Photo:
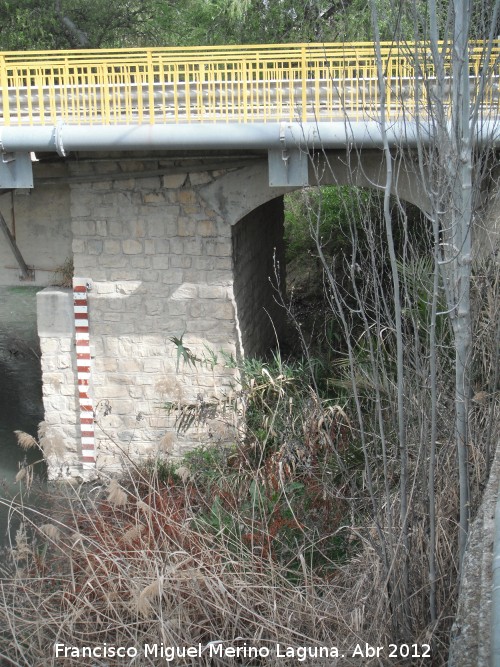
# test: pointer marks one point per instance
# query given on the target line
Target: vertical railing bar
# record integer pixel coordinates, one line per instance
(304, 84)
(151, 82)
(4, 79)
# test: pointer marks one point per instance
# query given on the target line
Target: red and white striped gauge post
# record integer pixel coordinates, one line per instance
(83, 362)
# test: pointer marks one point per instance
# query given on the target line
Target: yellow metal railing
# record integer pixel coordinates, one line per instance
(241, 84)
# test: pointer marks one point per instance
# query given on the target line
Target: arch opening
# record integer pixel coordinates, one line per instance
(276, 259)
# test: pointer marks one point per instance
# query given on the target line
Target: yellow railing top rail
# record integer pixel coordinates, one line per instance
(477, 48)
(243, 83)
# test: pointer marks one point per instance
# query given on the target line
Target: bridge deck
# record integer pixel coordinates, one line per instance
(223, 84)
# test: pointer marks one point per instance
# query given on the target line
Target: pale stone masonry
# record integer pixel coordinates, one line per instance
(160, 263)
(56, 330)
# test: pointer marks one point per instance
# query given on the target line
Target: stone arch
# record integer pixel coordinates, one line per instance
(255, 212)
(239, 192)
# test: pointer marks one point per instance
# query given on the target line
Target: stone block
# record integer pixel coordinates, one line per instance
(78, 246)
(224, 263)
(124, 184)
(101, 227)
(103, 288)
(210, 247)
(186, 197)
(176, 308)
(170, 214)
(206, 228)
(150, 183)
(119, 274)
(68, 390)
(110, 390)
(82, 263)
(131, 247)
(59, 403)
(161, 246)
(136, 391)
(194, 276)
(199, 309)
(63, 361)
(107, 167)
(200, 178)
(212, 292)
(224, 249)
(138, 228)
(176, 246)
(129, 365)
(151, 276)
(49, 363)
(153, 365)
(55, 316)
(204, 325)
(154, 307)
(106, 364)
(157, 228)
(66, 344)
(202, 263)
(149, 247)
(113, 261)
(192, 246)
(140, 262)
(123, 406)
(49, 346)
(186, 226)
(174, 181)
(161, 262)
(185, 291)
(94, 247)
(180, 261)
(135, 165)
(101, 186)
(81, 209)
(154, 198)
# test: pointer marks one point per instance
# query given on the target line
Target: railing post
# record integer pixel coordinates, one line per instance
(151, 86)
(5, 91)
(244, 85)
(304, 83)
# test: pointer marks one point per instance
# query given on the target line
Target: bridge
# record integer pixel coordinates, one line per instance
(149, 178)
(156, 176)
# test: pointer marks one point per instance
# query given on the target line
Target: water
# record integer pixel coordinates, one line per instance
(20, 387)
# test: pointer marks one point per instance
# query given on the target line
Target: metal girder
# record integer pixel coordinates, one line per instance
(27, 273)
(16, 170)
(288, 167)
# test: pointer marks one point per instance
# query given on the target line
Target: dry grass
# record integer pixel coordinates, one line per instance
(129, 564)
(137, 572)
(203, 556)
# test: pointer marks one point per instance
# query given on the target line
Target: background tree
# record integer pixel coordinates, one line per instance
(67, 24)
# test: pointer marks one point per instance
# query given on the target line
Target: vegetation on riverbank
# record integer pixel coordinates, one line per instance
(339, 514)
(282, 535)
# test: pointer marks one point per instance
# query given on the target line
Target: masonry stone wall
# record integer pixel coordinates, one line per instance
(60, 436)
(39, 219)
(159, 263)
(259, 276)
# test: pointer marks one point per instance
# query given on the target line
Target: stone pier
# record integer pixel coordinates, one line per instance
(173, 280)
